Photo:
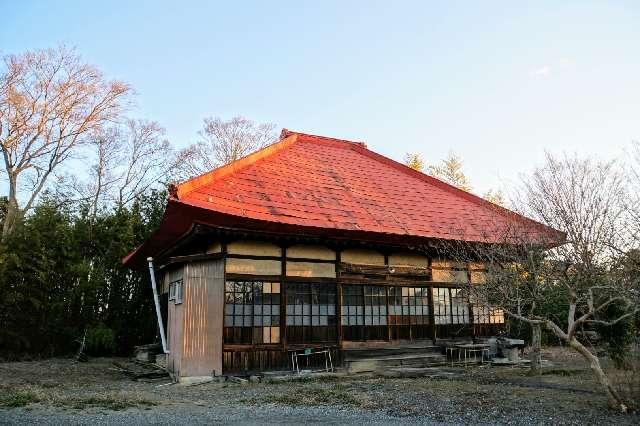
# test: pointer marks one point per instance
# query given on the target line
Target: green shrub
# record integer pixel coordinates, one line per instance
(101, 340)
(19, 398)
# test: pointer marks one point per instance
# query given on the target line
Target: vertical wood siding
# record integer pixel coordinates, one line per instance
(174, 325)
(203, 304)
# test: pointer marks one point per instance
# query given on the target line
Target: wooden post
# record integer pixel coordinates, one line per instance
(386, 292)
(386, 298)
(283, 299)
(432, 315)
(338, 298)
(536, 358)
(471, 324)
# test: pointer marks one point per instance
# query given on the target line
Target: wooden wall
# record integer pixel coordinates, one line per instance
(362, 257)
(247, 257)
(194, 327)
(203, 318)
(174, 324)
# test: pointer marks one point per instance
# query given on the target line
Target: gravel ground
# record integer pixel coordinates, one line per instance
(59, 391)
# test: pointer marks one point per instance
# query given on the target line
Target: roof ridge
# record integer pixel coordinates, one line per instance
(287, 137)
(177, 191)
(286, 133)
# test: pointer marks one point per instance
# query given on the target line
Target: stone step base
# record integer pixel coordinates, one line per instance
(383, 363)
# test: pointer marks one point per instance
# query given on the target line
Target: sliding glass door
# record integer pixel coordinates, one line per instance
(385, 313)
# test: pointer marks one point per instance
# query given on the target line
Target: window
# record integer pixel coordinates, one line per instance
(441, 305)
(409, 312)
(409, 305)
(364, 312)
(175, 291)
(375, 305)
(352, 305)
(459, 307)
(483, 314)
(311, 312)
(450, 306)
(252, 312)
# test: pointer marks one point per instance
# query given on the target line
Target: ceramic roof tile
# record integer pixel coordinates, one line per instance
(311, 180)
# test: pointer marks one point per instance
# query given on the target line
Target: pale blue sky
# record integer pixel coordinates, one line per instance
(494, 82)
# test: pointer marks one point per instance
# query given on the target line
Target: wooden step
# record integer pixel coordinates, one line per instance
(360, 353)
(385, 362)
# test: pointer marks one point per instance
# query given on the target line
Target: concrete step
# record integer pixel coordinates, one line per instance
(363, 353)
(386, 362)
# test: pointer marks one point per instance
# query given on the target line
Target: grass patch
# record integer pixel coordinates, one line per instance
(562, 372)
(310, 379)
(24, 396)
(334, 395)
(319, 379)
(18, 398)
(115, 403)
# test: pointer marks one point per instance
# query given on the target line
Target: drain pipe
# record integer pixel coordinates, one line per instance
(152, 274)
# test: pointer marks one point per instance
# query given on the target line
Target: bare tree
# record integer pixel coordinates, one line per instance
(584, 199)
(631, 234)
(128, 160)
(102, 175)
(49, 101)
(223, 142)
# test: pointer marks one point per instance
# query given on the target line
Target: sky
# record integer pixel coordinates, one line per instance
(498, 83)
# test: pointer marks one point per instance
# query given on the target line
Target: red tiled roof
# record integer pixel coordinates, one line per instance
(316, 182)
(330, 183)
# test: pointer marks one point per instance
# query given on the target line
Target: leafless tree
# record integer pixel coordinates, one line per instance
(49, 102)
(631, 228)
(586, 200)
(128, 160)
(223, 142)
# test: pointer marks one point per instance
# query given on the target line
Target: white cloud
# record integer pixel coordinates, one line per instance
(545, 71)
(565, 62)
(542, 72)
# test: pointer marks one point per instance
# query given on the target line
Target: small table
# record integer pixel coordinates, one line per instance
(448, 352)
(307, 352)
(473, 348)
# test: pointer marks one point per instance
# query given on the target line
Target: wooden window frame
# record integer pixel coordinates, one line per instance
(176, 290)
(250, 290)
(300, 322)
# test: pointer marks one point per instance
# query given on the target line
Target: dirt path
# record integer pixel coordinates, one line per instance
(58, 391)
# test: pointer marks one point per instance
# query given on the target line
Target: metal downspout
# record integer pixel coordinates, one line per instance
(152, 274)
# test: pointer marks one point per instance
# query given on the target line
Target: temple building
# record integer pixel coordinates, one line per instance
(315, 242)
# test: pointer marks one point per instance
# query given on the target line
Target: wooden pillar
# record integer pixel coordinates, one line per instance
(450, 325)
(386, 298)
(386, 292)
(471, 324)
(338, 298)
(432, 315)
(283, 299)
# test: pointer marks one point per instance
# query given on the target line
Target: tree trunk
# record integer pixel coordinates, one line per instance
(614, 399)
(535, 356)
(13, 209)
(10, 219)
